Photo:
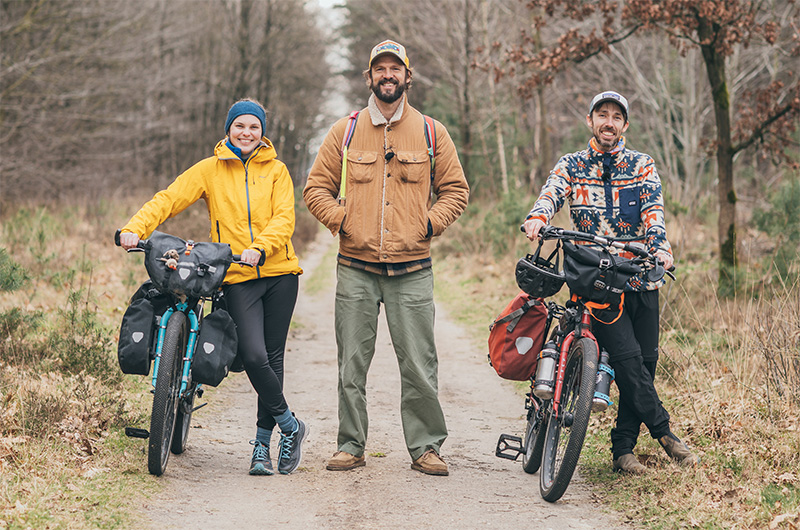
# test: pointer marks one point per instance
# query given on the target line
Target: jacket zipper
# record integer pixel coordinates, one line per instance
(249, 213)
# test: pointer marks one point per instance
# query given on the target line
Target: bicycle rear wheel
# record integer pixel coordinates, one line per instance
(534, 437)
(183, 419)
(565, 434)
(166, 398)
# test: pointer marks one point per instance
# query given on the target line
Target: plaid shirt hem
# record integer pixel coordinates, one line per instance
(385, 269)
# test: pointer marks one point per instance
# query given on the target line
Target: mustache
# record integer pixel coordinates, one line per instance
(388, 81)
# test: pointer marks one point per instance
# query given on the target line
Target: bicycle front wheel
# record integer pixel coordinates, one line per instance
(165, 398)
(534, 437)
(565, 434)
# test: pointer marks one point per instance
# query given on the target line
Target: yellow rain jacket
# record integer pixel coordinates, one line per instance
(250, 205)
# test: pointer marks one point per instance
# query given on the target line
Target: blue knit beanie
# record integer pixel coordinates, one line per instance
(246, 107)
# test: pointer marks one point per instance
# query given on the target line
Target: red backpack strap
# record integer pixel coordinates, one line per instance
(348, 133)
(430, 139)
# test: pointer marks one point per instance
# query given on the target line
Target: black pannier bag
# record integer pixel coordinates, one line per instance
(598, 276)
(136, 337)
(216, 348)
(138, 332)
(200, 272)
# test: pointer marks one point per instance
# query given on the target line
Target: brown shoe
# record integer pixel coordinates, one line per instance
(678, 451)
(629, 464)
(430, 463)
(341, 461)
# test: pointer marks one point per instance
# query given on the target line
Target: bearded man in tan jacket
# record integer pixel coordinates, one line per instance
(394, 161)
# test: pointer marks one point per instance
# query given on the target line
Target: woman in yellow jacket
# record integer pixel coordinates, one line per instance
(250, 201)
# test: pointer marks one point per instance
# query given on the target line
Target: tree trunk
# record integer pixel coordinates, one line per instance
(466, 138)
(715, 67)
(498, 124)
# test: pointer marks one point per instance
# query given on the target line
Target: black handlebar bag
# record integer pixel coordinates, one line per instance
(193, 270)
(597, 275)
(217, 344)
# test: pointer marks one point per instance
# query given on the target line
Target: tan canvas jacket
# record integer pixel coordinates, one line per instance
(388, 204)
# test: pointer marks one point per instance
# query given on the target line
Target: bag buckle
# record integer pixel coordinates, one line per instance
(604, 263)
(599, 285)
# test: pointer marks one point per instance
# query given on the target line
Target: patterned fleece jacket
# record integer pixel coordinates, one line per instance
(615, 194)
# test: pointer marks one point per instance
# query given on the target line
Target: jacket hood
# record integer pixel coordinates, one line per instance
(263, 153)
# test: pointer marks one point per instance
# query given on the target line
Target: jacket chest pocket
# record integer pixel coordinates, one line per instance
(361, 166)
(413, 165)
(629, 209)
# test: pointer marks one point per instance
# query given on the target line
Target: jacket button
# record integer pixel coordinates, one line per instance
(385, 256)
(359, 158)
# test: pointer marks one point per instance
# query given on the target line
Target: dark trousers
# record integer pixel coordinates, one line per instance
(632, 345)
(262, 310)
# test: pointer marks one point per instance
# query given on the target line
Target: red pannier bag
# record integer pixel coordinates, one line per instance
(516, 338)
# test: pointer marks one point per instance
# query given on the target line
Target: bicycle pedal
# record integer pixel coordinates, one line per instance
(133, 432)
(509, 447)
(199, 406)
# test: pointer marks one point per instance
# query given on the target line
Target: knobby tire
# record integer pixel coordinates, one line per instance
(564, 435)
(165, 398)
(534, 439)
(183, 418)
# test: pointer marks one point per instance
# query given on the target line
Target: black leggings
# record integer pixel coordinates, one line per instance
(262, 310)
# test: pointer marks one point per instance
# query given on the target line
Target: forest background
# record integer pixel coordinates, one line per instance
(103, 102)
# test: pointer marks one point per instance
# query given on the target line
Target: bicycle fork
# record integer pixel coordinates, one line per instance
(190, 344)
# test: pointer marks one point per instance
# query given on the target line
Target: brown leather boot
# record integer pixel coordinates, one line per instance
(430, 463)
(629, 464)
(342, 461)
(678, 451)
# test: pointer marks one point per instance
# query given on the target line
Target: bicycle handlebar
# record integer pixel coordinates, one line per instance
(637, 249)
(144, 245)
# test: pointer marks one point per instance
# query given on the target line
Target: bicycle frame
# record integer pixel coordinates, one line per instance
(582, 329)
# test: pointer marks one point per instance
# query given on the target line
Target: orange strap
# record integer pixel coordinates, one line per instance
(593, 305)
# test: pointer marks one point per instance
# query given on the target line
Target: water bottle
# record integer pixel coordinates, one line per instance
(544, 383)
(605, 374)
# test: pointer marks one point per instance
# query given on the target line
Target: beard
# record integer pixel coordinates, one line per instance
(388, 97)
(604, 144)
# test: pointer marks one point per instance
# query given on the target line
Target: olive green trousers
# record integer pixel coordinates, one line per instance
(408, 301)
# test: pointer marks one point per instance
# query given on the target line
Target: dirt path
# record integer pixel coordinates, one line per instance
(482, 490)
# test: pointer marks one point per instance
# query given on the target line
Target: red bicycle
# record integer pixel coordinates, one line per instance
(572, 375)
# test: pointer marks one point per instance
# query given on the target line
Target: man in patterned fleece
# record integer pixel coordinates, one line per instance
(615, 192)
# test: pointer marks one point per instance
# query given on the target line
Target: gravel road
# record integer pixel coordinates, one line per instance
(208, 486)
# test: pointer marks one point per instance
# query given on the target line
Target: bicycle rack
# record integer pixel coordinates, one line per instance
(509, 447)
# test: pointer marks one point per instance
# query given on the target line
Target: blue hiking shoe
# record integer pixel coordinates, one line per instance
(261, 463)
(291, 448)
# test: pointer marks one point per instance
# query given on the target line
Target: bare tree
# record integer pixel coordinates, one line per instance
(717, 28)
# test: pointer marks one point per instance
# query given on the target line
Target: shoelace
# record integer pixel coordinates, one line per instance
(260, 452)
(286, 444)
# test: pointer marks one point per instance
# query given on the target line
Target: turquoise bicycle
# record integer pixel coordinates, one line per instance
(184, 275)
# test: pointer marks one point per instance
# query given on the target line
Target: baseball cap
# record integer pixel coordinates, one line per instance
(389, 46)
(610, 95)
